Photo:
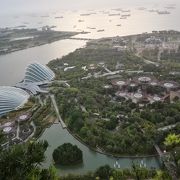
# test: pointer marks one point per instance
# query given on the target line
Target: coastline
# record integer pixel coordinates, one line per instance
(77, 33)
(41, 39)
(41, 44)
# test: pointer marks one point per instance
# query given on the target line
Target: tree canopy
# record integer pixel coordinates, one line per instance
(67, 154)
(19, 161)
(172, 140)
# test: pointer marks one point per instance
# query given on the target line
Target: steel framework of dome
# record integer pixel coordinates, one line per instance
(36, 72)
(11, 98)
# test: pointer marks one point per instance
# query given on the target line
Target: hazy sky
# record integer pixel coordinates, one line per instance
(11, 6)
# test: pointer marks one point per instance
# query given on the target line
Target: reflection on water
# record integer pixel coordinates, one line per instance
(100, 23)
(12, 66)
(56, 136)
(133, 20)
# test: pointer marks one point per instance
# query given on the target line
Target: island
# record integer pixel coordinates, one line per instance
(67, 154)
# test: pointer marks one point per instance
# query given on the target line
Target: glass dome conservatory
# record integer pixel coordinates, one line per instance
(11, 98)
(36, 73)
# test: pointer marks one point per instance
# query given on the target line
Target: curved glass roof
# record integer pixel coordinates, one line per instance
(38, 73)
(11, 98)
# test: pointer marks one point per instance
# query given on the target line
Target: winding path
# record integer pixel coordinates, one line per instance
(32, 134)
(57, 111)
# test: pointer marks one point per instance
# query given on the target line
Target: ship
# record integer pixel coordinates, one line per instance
(88, 14)
(59, 17)
(125, 11)
(152, 10)
(141, 8)
(125, 15)
(115, 14)
(80, 20)
(91, 28)
(100, 30)
(163, 12)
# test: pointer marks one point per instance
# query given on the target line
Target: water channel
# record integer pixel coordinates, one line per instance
(56, 136)
(12, 67)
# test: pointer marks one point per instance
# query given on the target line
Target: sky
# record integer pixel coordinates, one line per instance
(22, 6)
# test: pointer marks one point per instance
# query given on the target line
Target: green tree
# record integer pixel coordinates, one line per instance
(104, 172)
(172, 140)
(67, 154)
(20, 160)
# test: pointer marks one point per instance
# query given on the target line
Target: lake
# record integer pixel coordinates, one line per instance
(103, 21)
(56, 136)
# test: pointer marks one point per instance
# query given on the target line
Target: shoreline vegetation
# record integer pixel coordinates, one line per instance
(23, 152)
(90, 110)
(12, 40)
(106, 153)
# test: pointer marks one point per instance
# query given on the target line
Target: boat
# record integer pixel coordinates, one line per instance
(45, 16)
(59, 17)
(91, 28)
(21, 26)
(80, 20)
(88, 14)
(100, 30)
(123, 17)
(118, 14)
(163, 12)
(152, 10)
(25, 23)
(125, 10)
(170, 7)
(141, 8)
(53, 26)
(105, 12)
(117, 9)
